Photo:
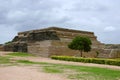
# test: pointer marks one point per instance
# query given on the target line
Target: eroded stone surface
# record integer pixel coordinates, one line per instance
(54, 41)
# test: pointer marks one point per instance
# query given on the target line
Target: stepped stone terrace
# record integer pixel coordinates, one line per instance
(51, 41)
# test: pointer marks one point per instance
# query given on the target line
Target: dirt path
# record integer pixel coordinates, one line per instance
(26, 73)
(2, 53)
(41, 59)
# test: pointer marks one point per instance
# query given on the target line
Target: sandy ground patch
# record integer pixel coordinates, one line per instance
(2, 53)
(26, 73)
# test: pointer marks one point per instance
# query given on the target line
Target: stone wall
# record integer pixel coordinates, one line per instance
(61, 48)
(39, 48)
(48, 48)
(1, 48)
(16, 47)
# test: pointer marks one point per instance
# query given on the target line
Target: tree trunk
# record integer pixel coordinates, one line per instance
(81, 53)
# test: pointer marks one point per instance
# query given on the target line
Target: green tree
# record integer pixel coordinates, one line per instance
(81, 43)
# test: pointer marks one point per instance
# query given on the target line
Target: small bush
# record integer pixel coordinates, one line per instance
(88, 60)
(98, 61)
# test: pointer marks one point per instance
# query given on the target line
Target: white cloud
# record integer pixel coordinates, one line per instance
(90, 15)
(109, 29)
(16, 14)
(6, 33)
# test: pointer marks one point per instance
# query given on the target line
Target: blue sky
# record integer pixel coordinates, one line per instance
(99, 16)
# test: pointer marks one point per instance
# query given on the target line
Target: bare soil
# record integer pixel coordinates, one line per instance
(26, 73)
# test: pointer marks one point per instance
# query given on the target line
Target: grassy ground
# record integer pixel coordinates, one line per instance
(78, 72)
(70, 71)
(4, 60)
(20, 54)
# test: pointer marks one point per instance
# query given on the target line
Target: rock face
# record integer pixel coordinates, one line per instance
(51, 41)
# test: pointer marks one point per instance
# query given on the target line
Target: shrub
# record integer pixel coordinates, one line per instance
(98, 61)
(88, 60)
(81, 43)
(113, 62)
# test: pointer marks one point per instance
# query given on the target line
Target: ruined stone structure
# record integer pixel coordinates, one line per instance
(1, 47)
(110, 51)
(52, 41)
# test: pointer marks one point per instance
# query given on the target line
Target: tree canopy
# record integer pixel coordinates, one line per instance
(81, 43)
